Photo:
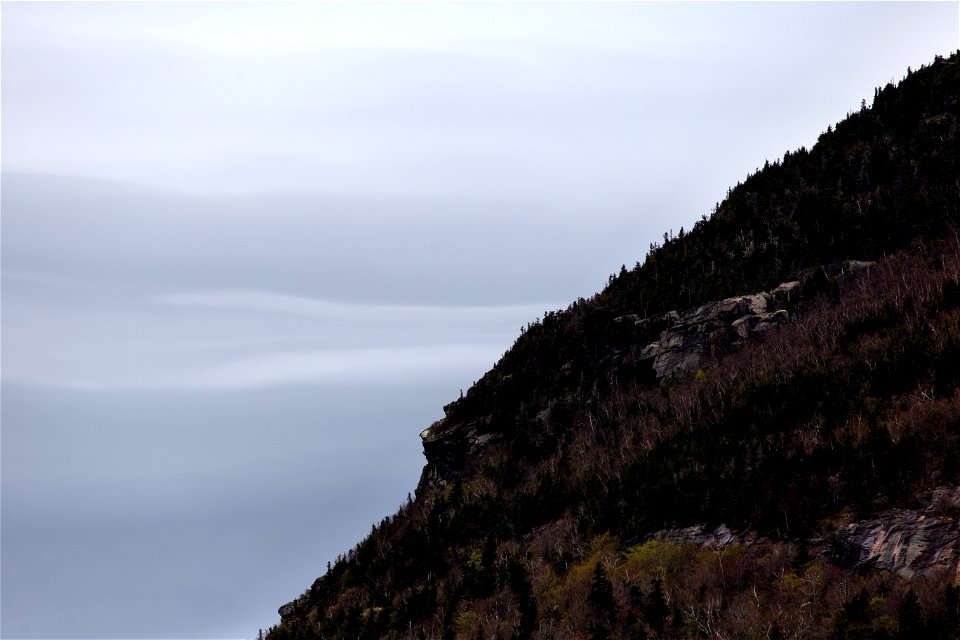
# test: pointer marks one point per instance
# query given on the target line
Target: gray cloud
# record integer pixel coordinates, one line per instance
(249, 250)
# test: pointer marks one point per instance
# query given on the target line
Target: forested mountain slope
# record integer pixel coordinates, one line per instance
(753, 434)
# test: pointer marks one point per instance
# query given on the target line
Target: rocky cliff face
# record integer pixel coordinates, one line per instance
(923, 541)
(446, 448)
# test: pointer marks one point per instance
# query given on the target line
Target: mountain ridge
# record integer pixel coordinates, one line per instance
(547, 483)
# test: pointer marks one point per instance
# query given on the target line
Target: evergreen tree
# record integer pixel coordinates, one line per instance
(656, 610)
(601, 591)
(909, 617)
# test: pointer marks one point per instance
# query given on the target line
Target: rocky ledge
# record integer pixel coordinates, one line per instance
(446, 448)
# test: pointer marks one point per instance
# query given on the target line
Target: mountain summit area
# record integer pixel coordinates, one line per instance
(755, 433)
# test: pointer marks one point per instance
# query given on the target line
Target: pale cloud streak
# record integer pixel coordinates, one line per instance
(388, 315)
(244, 339)
(367, 366)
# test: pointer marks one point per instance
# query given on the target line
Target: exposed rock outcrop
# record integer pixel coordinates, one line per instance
(715, 328)
(909, 542)
(721, 326)
(699, 535)
(924, 541)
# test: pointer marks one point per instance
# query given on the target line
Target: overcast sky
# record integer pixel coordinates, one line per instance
(250, 250)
